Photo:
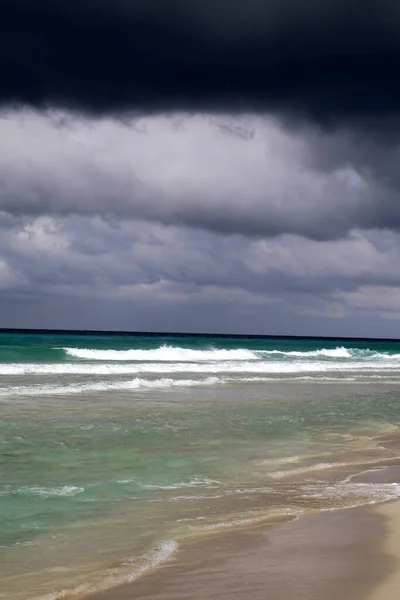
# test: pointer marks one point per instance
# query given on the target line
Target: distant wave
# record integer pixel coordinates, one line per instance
(92, 370)
(177, 354)
(330, 353)
(168, 383)
(134, 384)
(166, 361)
(163, 353)
(254, 367)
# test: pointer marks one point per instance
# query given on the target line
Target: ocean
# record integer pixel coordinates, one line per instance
(115, 448)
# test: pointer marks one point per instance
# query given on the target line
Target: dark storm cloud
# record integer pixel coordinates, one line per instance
(328, 61)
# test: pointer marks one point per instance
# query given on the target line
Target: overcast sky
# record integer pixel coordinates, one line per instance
(177, 165)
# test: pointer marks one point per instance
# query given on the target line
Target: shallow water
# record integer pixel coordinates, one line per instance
(114, 448)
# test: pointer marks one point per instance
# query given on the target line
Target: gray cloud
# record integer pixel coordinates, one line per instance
(194, 222)
(247, 176)
(132, 274)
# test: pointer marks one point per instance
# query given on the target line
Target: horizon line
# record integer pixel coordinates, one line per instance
(98, 332)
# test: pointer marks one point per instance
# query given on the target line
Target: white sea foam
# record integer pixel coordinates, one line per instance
(140, 383)
(307, 469)
(371, 492)
(52, 492)
(164, 353)
(127, 572)
(260, 366)
(182, 367)
(223, 493)
(121, 369)
(208, 483)
(255, 520)
(134, 384)
(333, 353)
(177, 354)
(323, 352)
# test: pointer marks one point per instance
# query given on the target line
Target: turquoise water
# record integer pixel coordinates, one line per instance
(48, 347)
(114, 447)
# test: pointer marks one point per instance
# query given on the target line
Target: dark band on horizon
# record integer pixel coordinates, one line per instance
(183, 334)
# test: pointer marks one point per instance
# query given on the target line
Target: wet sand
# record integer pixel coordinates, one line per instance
(346, 554)
(322, 556)
(389, 589)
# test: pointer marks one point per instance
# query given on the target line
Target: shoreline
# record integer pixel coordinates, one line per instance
(255, 544)
(294, 555)
(148, 481)
(343, 553)
(350, 553)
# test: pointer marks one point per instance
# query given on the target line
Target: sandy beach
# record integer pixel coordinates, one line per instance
(351, 554)
(389, 588)
(343, 554)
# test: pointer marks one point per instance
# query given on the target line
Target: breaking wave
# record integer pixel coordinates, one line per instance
(164, 353)
(92, 370)
(128, 572)
(177, 354)
(134, 384)
(165, 383)
(260, 367)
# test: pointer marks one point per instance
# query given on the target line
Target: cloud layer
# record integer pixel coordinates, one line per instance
(84, 272)
(331, 62)
(246, 176)
(194, 222)
(189, 165)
